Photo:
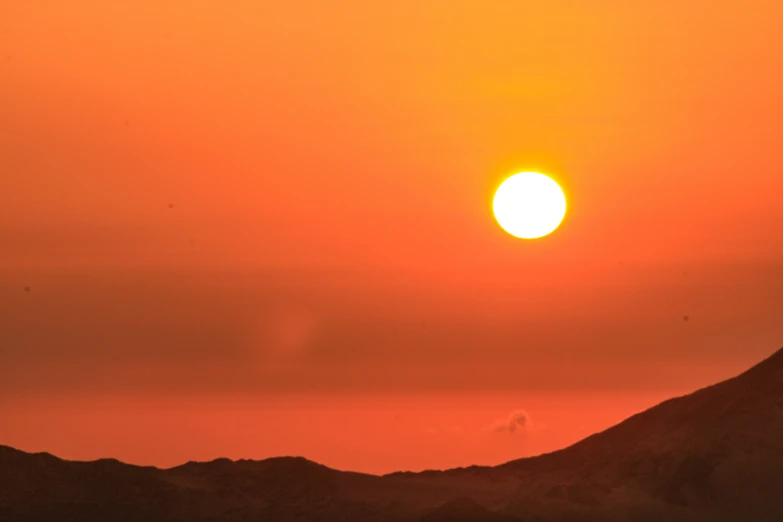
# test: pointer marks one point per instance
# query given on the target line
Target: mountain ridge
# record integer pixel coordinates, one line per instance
(715, 454)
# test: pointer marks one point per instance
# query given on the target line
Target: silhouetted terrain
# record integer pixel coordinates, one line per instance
(713, 455)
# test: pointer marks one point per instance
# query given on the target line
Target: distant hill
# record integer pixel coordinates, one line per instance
(713, 455)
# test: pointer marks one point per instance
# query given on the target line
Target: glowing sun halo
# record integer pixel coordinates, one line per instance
(529, 205)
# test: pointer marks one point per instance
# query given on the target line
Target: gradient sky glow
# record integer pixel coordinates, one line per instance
(249, 229)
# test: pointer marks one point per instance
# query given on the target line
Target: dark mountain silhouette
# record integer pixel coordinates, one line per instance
(465, 509)
(713, 455)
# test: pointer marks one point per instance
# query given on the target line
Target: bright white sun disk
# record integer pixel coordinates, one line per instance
(529, 205)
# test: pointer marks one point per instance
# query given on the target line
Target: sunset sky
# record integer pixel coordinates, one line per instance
(254, 228)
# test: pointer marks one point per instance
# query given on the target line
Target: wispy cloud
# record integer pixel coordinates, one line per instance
(517, 422)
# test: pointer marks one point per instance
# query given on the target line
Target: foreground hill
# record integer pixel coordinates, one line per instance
(713, 455)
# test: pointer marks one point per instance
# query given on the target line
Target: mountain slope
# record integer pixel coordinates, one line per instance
(720, 447)
(716, 454)
(465, 509)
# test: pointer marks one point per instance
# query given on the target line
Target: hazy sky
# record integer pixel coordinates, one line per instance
(267, 225)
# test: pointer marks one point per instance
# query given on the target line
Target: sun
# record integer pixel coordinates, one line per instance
(529, 205)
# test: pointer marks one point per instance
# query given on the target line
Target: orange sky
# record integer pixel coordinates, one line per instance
(265, 227)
